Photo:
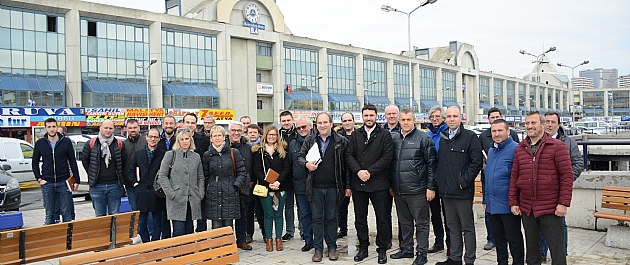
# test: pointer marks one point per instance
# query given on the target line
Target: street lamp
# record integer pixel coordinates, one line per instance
(153, 61)
(537, 61)
(442, 94)
(573, 68)
(365, 89)
(612, 95)
(312, 81)
(386, 8)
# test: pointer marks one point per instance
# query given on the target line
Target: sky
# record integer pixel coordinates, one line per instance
(598, 31)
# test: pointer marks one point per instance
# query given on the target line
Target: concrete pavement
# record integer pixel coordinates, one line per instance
(585, 246)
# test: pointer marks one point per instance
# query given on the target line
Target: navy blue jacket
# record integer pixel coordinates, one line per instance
(299, 173)
(497, 180)
(55, 162)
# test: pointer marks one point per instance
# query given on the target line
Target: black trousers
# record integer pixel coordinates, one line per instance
(507, 230)
(552, 226)
(255, 207)
(437, 209)
(342, 216)
(380, 202)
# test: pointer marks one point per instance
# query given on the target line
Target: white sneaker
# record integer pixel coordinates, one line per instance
(136, 240)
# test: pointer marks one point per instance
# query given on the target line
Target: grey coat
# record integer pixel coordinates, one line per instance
(577, 162)
(186, 184)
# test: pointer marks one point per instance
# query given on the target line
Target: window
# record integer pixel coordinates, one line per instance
(263, 49)
(258, 78)
(27, 151)
(91, 28)
(52, 24)
(259, 104)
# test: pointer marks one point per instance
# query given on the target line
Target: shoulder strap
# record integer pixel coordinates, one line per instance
(120, 147)
(92, 142)
(118, 141)
(233, 161)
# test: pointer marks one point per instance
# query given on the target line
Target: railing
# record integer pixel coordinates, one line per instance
(586, 144)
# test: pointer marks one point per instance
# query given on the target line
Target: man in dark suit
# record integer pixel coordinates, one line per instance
(144, 166)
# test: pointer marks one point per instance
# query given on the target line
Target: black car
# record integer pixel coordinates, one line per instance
(10, 195)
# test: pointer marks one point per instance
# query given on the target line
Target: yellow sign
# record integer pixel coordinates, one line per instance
(137, 112)
(218, 114)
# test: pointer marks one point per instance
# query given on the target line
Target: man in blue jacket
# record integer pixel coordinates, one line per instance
(505, 225)
(56, 152)
(437, 125)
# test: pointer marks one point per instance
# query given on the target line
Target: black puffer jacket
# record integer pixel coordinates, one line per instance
(375, 155)
(459, 161)
(342, 173)
(222, 185)
(91, 160)
(414, 163)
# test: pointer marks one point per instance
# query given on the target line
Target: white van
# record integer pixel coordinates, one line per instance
(18, 154)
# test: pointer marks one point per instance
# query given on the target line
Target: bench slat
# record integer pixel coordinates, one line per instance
(613, 216)
(223, 260)
(199, 256)
(617, 188)
(616, 206)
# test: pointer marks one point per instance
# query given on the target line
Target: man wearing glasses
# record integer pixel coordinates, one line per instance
(202, 143)
(347, 128)
(239, 142)
(208, 123)
(303, 127)
(436, 205)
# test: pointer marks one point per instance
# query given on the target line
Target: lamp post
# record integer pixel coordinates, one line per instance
(312, 81)
(612, 96)
(442, 94)
(537, 61)
(365, 89)
(151, 62)
(386, 8)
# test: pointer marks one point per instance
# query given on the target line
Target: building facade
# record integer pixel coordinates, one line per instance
(602, 78)
(237, 55)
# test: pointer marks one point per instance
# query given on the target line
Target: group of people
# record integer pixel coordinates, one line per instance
(211, 174)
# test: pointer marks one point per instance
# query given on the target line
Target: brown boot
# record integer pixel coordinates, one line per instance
(279, 244)
(269, 243)
(244, 246)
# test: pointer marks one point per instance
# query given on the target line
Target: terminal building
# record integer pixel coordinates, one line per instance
(240, 56)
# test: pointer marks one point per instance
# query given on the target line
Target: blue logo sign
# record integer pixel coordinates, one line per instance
(253, 25)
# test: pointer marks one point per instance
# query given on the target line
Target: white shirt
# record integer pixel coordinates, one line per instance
(369, 132)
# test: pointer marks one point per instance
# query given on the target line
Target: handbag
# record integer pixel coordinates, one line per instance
(260, 190)
(156, 185)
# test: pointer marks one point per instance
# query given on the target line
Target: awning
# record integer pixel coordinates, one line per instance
(523, 108)
(484, 105)
(32, 83)
(378, 100)
(543, 110)
(533, 109)
(189, 90)
(429, 103)
(499, 106)
(111, 86)
(512, 107)
(404, 101)
(303, 95)
(587, 110)
(450, 104)
(342, 98)
(621, 110)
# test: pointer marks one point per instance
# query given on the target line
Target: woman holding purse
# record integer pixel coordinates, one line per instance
(224, 170)
(271, 154)
(184, 187)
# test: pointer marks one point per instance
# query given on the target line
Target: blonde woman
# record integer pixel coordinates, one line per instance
(271, 154)
(184, 188)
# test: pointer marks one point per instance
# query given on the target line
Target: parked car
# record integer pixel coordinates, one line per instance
(18, 154)
(10, 194)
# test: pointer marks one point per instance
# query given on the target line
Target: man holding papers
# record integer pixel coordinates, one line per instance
(323, 155)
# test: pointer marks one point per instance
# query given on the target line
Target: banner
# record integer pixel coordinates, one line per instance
(15, 121)
(96, 116)
(218, 114)
(69, 117)
(138, 112)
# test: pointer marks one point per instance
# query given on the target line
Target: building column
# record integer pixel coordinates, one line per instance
(277, 78)
(459, 96)
(390, 80)
(491, 93)
(323, 71)
(526, 102)
(504, 96)
(606, 105)
(360, 84)
(438, 87)
(73, 58)
(224, 59)
(155, 71)
(416, 84)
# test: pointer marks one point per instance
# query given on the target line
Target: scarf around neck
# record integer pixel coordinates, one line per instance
(105, 142)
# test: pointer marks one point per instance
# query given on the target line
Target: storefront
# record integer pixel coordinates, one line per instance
(95, 117)
(28, 123)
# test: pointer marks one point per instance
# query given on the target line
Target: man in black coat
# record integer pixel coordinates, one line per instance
(303, 127)
(369, 155)
(459, 161)
(485, 139)
(239, 142)
(202, 143)
(413, 184)
(287, 134)
(144, 166)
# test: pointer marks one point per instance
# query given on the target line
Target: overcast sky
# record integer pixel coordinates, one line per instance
(598, 31)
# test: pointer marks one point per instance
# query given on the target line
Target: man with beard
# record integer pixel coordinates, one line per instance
(303, 127)
(202, 143)
(369, 155)
(133, 143)
(287, 134)
(239, 142)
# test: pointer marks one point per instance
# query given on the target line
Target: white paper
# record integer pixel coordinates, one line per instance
(314, 155)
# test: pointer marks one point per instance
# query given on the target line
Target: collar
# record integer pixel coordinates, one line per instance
(502, 144)
(409, 133)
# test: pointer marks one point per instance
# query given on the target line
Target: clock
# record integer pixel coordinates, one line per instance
(251, 12)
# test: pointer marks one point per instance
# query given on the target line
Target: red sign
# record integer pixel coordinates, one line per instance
(130, 112)
(62, 123)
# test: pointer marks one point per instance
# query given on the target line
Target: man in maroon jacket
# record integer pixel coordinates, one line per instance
(540, 189)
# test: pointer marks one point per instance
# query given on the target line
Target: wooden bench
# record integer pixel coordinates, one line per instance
(616, 198)
(64, 239)
(478, 193)
(216, 246)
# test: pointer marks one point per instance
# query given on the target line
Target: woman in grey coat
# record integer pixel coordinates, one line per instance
(185, 188)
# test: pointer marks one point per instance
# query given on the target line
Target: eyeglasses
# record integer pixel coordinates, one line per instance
(303, 127)
(183, 130)
(208, 122)
(272, 134)
(435, 117)
(236, 131)
(153, 137)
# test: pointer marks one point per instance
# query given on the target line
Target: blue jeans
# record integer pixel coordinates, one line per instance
(143, 224)
(131, 195)
(490, 238)
(544, 247)
(324, 208)
(240, 225)
(57, 193)
(106, 199)
(305, 217)
(184, 227)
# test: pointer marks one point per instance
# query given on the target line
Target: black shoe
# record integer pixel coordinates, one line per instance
(449, 261)
(401, 255)
(489, 246)
(421, 259)
(286, 237)
(342, 234)
(307, 247)
(436, 248)
(382, 257)
(361, 255)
